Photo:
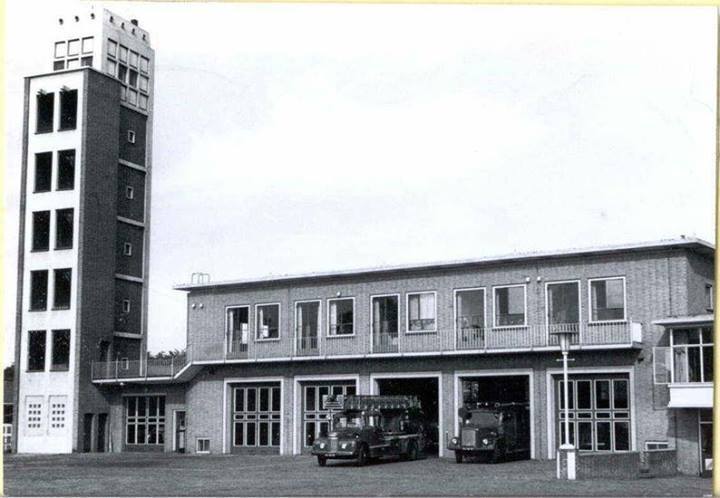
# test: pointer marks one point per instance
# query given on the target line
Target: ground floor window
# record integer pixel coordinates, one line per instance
(598, 412)
(316, 418)
(706, 441)
(145, 420)
(256, 415)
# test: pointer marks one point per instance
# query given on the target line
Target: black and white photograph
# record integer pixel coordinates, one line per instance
(346, 249)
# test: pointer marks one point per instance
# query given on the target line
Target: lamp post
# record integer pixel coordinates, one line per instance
(566, 454)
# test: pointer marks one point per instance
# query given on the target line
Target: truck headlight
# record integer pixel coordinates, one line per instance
(485, 441)
(347, 445)
(454, 440)
(321, 446)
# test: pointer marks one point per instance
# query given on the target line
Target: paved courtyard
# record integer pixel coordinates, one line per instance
(263, 475)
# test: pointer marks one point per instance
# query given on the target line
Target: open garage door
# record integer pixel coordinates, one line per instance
(503, 389)
(427, 391)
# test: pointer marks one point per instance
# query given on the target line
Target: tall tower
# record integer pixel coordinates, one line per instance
(84, 227)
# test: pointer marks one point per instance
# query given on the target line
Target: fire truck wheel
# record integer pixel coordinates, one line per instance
(322, 461)
(412, 451)
(458, 456)
(362, 456)
(498, 454)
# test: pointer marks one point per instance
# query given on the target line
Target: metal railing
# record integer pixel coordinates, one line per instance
(382, 341)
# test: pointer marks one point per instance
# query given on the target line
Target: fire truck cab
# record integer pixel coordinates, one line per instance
(372, 427)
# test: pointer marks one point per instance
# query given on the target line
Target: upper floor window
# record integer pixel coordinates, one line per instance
(62, 283)
(43, 172)
(38, 290)
(470, 309)
(60, 350)
(66, 170)
(692, 354)
(36, 351)
(129, 192)
(607, 299)
(112, 47)
(341, 316)
(64, 228)
(509, 306)
(563, 304)
(68, 109)
(41, 230)
(709, 297)
(238, 320)
(307, 323)
(45, 112)
(421, 311)
(385, 314)
(127, 249)
(267, 321)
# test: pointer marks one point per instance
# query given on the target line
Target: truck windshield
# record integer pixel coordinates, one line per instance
(342, 421)
(482, 419)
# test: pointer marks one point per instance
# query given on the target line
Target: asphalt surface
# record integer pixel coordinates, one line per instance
(128, 474)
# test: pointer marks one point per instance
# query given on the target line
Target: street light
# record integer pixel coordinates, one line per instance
(566, 455)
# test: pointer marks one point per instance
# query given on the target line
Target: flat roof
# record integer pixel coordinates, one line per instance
(683, 242)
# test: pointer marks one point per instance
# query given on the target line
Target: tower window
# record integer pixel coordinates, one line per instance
(123, 53)
(87, 45)
(127, 249)
(68, 109)
(111, 67)
(41, 230)
(45, 108)
(131, 136)
(58, 65)
(86, 61)
(66, 170)
(60, 49)
(144, 64)
(61, 296)
(112, 48)
(133, 78)
(64, 228)
(43, 171)
(122, 72)
(73, 47)
(126, 306)
(129, 192)
(60, 350)
(38, 290)
(36, 351)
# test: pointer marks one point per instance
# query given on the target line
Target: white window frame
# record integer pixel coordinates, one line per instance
(295, 317)
(126, 306)
(407, 312)
(127, 249)
(699, 346)
(547, 299)
(227, 320)
(658, 442)
(257, 336)
(373, 296)
(525, 310)
(590, 302)
(327, 320)
(455, 307)
(710, 306)
(197, 446)
(129, 192)
(131, 136)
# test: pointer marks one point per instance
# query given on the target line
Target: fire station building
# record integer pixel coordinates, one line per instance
(262, 354)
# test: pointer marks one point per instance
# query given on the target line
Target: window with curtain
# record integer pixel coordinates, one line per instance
(607, 299)
(267, 321)
(510, 306)
(385, 314)
(421, 312)
(341, 316)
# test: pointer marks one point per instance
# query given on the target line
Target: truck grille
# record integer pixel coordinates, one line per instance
(333, 444)
(469, 437)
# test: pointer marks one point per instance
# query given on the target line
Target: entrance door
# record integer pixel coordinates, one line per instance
(101, 432)
(256, 416)
(179, 431)
(87, 432)
(706, 442)
(599, 413)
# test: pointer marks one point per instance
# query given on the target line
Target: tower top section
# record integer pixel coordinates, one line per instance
(109, 43)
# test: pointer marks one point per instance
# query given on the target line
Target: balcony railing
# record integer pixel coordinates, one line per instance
(384, 341)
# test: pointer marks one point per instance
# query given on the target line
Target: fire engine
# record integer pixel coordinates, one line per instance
(497, 430)
(370, 427)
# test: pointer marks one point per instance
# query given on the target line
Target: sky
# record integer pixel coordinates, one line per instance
(298, 138)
